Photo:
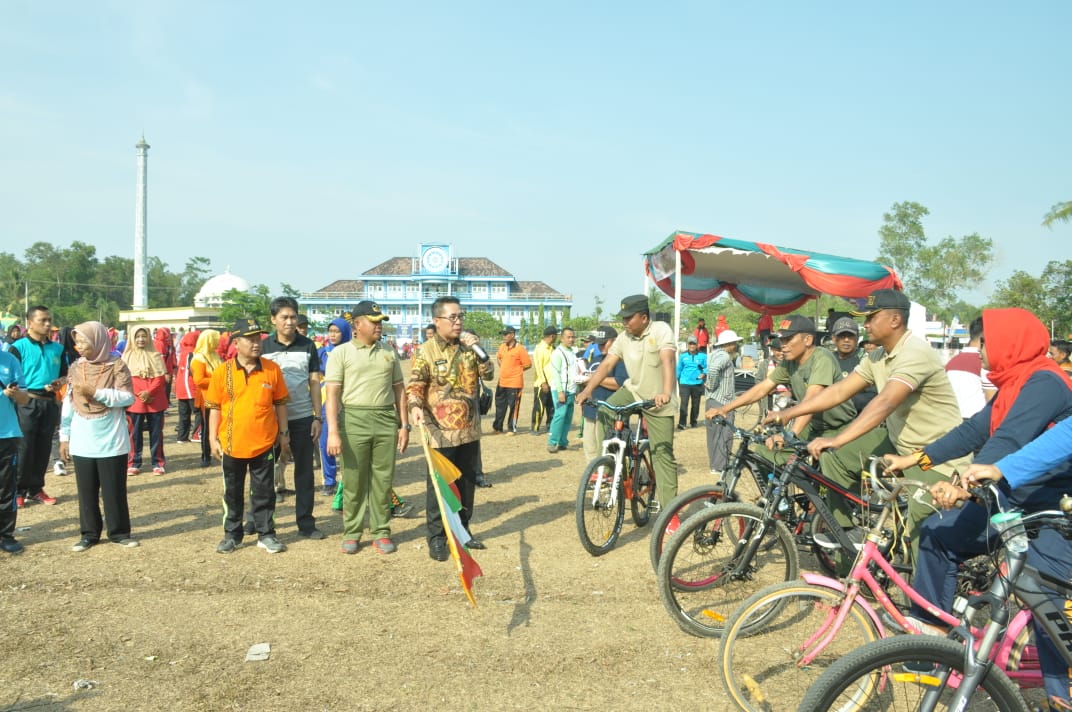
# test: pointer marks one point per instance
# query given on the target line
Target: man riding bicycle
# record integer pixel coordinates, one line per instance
(649, 352)
(915, 400)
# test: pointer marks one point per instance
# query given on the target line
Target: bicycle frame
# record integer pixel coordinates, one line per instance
(617, 447)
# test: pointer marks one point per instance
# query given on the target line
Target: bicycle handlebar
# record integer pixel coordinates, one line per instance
(627, 409)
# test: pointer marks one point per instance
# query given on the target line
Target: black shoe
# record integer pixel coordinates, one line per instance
(437, 549)
(481, 481)
(475, 543)
(206, 462)
(681, 426)
(11, 546)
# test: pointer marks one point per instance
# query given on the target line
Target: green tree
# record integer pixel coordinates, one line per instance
(286, 290)
(598, 311)
(932, 274)
(1057, 285)
(193, 278)
(241, 305)
(1021, 290)
(1061, 212)
(483, 324)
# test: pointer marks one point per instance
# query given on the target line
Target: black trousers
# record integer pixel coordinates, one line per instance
(543, 408)
(693, 395)
(188, 414)
(467, 459)
(38, 420)
(301, 450)
(9, 449)
(261, 470)
(206, 441)
(507, 405)
(102, 478)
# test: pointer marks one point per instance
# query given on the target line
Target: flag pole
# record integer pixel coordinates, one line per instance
(426, 444)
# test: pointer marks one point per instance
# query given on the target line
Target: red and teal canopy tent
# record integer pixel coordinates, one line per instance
(758, 275)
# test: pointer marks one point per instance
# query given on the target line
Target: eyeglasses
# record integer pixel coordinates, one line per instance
(453, 318)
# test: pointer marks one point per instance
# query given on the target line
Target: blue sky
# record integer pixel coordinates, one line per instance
(307, 142)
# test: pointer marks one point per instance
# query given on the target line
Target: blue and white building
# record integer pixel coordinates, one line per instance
(405, 288)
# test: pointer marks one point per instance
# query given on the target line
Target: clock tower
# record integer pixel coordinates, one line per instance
(435, 259)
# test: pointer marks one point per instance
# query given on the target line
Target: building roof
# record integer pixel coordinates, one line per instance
(467, 267)
(540, 288)
(344, 285)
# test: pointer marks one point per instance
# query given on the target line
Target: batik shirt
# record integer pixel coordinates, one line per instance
(444, 385)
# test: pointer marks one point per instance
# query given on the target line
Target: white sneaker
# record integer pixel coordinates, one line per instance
(59, 468)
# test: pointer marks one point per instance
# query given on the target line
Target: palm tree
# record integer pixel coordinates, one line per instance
(1062, 212)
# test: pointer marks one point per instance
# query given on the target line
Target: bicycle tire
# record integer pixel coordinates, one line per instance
(874, 677)
(598, 524)
(695, 578)
(643, 491)
(778, 622)
(684, 505)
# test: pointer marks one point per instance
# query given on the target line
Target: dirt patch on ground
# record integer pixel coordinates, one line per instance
(167, 625)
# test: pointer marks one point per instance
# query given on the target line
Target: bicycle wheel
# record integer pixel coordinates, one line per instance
(599, 522)
(768, 635)
(875, 677)
(683, 506)
(708, 567)
(643, 492)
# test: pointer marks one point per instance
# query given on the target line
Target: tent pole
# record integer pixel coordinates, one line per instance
(677, 295)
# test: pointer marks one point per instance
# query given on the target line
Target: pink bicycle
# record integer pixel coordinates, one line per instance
(783, 637)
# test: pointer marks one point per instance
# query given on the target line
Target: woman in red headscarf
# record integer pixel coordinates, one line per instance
(1033, 394)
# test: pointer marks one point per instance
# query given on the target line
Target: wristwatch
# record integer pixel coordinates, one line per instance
(285, 433)
(407, 427)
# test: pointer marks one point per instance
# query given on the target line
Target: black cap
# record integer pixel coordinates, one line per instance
(795, 324)
(603, 334)
(246, 327)
(883, 299)
(845, 325)
(508, 330)
(551, 331)
(633, 304)
(369, 310)
(303, 320)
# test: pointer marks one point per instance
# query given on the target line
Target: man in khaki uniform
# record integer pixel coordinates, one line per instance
(367, 424)
(649, 351)
(807, 369)
(915, 399)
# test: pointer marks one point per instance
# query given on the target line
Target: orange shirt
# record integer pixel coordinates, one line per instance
(247, 402)
(512, 364)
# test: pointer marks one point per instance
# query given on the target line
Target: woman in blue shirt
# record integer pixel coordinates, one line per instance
(93, 433)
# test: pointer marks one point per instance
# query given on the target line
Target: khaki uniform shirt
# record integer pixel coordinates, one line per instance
(367, 374)
(819, 370)
(640, 354)
(930, 410)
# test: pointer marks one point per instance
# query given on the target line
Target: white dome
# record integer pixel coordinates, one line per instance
(211, 293)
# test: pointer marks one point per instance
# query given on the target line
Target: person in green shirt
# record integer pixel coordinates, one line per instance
(807, 370)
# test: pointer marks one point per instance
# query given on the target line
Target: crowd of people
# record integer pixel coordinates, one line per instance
(258, 400)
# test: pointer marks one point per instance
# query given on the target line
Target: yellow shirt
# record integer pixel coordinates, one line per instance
(541, 360)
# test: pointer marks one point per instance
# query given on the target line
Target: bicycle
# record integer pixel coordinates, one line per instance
(984, 668)
(799, 624)
(743, 462)
(724, 554)
(623, 471)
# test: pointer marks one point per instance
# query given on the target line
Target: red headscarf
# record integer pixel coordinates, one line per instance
(1016, 347)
